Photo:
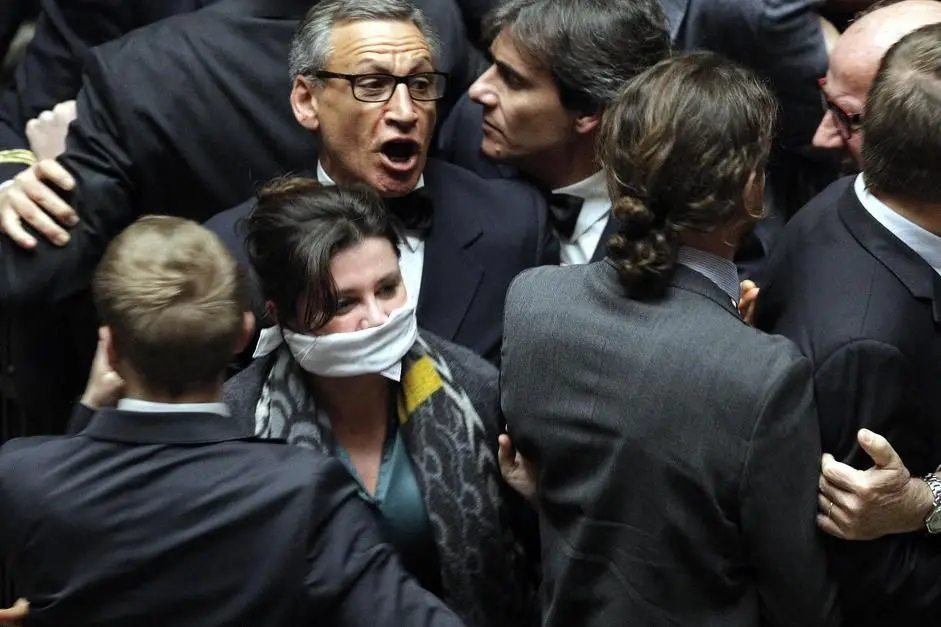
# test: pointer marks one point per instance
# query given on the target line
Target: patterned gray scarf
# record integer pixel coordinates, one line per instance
(483, 568)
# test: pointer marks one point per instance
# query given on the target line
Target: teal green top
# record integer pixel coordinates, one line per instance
(398, 498)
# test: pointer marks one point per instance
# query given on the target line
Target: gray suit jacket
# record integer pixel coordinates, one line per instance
(677, 449)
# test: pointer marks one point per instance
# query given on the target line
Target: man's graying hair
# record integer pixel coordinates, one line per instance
(312, 45)
(902, 122)
(591, 47)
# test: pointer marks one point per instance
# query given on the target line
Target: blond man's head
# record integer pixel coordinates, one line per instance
(173, 299)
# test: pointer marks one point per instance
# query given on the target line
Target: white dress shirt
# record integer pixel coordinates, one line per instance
(411, 249)
(150, 407)
(926, 244)
(592, 219)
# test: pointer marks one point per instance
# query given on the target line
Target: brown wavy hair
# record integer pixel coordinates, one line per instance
(680, 146)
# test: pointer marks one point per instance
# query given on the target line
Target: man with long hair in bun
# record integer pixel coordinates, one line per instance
(674, 448)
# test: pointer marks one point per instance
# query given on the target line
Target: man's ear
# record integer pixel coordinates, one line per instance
(587, 122)
(107, 342)
(304, 103)
(247, 332)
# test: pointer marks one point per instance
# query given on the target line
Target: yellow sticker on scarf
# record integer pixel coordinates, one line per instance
(418, 384)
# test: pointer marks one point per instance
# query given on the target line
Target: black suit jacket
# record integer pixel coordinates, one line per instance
(186, 519)
(12, 15)
(484, 233)
(866, 310)
(677, 455)
(51, 70)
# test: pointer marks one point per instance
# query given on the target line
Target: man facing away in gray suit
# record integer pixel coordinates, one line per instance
(676, 449)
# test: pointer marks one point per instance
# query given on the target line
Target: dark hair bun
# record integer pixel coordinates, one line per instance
(640, 250)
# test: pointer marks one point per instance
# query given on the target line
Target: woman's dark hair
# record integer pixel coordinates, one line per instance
(293, 233)
(679, 147)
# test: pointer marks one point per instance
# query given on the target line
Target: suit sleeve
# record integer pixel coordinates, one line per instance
(779, 506)
(783, 41)
(862, 384)
(14, 149)
(80, 418)
(51, 70)
(97, 156)
(354, 579)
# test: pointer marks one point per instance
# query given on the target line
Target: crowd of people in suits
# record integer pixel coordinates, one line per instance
(485, 313)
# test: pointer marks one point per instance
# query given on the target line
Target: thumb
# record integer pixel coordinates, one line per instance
(506, 457)
(879, 449)
(19, 610)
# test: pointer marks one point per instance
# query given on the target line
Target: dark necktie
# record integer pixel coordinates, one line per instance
(413, 211)
(563, 213)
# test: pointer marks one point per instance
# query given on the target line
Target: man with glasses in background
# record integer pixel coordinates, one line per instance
(854, 282)
(853, 64)
(365, 83)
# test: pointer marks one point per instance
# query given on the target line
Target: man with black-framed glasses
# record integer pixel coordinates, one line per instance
(365, 81)
(853, 64)
(186, 116)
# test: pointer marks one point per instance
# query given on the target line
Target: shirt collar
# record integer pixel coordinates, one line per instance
(926, 244)
(144, 427)
(150, 407)
(325, 179)
(597, 205)
(717, 269)
(592, 188)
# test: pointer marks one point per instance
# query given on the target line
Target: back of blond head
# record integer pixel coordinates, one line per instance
(174, 299)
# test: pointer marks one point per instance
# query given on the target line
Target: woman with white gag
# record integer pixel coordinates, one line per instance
(415, 418)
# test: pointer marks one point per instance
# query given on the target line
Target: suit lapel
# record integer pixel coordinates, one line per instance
(450, 274)
(908, 267)
(610, 228)
(687, 279)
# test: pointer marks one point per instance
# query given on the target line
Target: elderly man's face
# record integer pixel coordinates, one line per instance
(844, 95)
(382, 144)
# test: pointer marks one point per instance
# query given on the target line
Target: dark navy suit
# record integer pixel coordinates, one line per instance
(185, 519)
(866, 311)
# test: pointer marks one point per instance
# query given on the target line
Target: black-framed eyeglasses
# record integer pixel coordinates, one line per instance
(852, 122)
(423, 86)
